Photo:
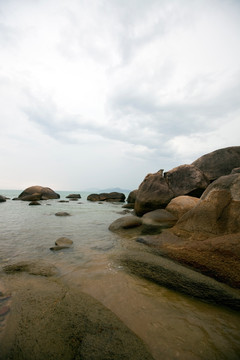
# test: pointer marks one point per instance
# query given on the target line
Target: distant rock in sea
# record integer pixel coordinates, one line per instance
(35, 193)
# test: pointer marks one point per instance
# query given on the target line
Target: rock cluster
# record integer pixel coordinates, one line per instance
(203, 199)
(109, 197)
(157, 190)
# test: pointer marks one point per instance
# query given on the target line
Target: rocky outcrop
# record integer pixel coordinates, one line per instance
(174, 276)
(157, 190)
(218, 211)
(181, 204)
(109, 197)
(218, 257)
(219, 162)
(38, 193)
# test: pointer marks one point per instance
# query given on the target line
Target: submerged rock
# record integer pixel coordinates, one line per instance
(62, 213)
(171, 275)
(63, 241)
(34, 268)
(53, 321)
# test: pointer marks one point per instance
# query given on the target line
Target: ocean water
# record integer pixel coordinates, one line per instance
(172, 325)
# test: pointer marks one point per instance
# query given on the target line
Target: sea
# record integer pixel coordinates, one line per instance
(172, 325)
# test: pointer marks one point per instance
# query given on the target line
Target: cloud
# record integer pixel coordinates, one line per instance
(150, 84)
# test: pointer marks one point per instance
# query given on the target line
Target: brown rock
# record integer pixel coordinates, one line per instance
(181, 204)
(186, 180)
(153, 193)
(126, 222)
(63, 241)
(109, 197)
(73, 196)
(62, 213)
(132, 197)
(34, 203)
(219, 162)
(157, 220)
(44, 192)
(217, 212)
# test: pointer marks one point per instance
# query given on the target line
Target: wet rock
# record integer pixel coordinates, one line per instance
(157, 220)
(33, 268)
(53, 321)
(181, 204)
(57, 248)
(128, 206)
(34, 203)
(62, 213)
(63, 201)
(174, 276)
(43, 193)
(63, 241)
(126, 222)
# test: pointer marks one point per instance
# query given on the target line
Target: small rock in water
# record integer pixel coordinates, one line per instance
(56, 248)
(63, 241)
(62, 213)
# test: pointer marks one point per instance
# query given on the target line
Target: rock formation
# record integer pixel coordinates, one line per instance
(111, 197)
(35, 193)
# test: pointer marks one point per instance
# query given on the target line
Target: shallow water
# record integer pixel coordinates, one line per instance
(172, 325)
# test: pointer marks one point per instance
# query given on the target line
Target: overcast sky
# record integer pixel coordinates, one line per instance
(98, 93)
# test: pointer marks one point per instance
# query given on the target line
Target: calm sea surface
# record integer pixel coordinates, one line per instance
(172, 325)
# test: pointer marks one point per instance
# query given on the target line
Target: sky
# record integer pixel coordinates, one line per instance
(99, 93)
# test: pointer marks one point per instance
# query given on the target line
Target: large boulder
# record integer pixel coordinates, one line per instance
(218, 211)
(181, 204)
(109, 197)
(186, 180)
(40, 193)
(153, 193)
(157, 190)
(219, 162)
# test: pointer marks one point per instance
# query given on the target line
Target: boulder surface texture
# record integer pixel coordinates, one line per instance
(217, 212)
